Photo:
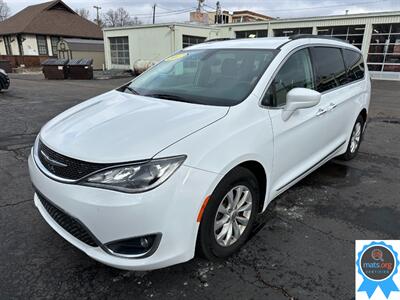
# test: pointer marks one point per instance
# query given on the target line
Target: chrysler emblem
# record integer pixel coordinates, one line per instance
(52, 161)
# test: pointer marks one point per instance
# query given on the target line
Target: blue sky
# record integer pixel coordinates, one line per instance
(177, 10)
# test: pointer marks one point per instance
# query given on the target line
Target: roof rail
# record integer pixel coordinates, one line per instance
(218, 40)
(313, 36)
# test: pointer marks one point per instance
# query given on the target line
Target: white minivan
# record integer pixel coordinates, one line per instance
(183, 158)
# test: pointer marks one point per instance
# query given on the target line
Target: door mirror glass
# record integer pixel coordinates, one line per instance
(299, 98)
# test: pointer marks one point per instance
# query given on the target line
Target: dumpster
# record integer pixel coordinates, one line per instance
(80, 68)
(55, 68)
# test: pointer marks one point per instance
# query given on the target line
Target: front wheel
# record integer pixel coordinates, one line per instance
(229, 215)
(355, 139)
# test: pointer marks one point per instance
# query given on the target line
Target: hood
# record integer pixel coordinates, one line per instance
(120, 127)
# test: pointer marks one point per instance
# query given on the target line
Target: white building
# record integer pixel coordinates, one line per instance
(376, 34)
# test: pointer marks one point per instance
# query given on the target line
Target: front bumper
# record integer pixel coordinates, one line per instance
(171, 210)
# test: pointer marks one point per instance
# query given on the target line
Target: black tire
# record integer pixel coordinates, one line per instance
(207, 245)
(351, 153)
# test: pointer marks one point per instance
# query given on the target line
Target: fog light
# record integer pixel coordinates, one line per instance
(144, 242)
(135, 247)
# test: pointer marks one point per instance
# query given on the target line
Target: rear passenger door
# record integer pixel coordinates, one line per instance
(339, 96)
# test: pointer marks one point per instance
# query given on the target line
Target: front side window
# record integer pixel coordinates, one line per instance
(295, 72)
(42, 45)
(119, 47)
(330, 71)
(354, 65)
(222, 77)
(189, 40)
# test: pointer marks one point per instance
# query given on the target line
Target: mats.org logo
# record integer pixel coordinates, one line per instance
(377, 270)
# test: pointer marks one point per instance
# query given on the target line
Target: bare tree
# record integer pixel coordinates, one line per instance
(4, 10)
(117, 18)
(136, 21)
(83, 12)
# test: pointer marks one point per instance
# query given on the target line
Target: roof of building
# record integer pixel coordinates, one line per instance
(318, 18)
(84, 45)
(50, 18)
(251, 13)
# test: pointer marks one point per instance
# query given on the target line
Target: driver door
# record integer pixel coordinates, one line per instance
(299, 142)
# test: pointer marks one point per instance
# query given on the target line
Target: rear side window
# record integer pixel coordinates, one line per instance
(295, 72)
(354, 65)
(330, 71)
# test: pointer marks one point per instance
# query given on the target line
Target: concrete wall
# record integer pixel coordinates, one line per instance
(153, 43)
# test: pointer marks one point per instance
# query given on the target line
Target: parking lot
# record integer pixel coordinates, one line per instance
(303, 247)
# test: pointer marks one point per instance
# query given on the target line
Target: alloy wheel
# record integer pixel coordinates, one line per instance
(355, 137)
(233, 215)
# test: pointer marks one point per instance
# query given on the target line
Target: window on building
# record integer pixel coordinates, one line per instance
(384, 50)
(330, 71)
(189, 40)
(54, 43)
(354, 65)
(295, 72)
(252, 33)
(352, 34)
(292, 31)
(42, 45)
(7, 42)
(119, 47)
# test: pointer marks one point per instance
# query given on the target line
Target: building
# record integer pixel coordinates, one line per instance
(376, 34)
(244, 16)
(32, 35)
(82, 48)
(225, 17)
(126, 46)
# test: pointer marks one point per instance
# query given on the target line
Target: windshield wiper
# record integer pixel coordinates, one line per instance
(132, 90)
(167, 97)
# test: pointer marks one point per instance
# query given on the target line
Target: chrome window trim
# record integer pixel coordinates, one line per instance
(294, 50)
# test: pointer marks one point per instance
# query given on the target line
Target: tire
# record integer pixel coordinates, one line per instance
(355, 140)
(239, 181)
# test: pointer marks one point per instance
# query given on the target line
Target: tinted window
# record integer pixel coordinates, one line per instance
(330, 71)
(354, 65)
(295, 72)
(222, 77)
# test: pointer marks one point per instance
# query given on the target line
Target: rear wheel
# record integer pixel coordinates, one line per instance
(355, 139)
(229, 215)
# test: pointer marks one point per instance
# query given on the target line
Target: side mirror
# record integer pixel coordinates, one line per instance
(299, 98)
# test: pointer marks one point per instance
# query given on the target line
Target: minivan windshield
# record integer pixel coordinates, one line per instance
(223, 77)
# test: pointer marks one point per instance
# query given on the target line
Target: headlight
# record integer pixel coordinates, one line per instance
(136, 178)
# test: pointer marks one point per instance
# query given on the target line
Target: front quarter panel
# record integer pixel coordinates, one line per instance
(245, 134)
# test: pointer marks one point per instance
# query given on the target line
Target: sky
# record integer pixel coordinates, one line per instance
(178, 10)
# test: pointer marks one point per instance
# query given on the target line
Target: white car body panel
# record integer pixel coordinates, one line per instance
(116, 127)
(120, 127)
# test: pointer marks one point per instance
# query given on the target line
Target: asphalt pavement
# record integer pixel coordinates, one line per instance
(303, 247)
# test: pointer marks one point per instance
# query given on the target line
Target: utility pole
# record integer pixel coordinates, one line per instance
(97, 8)
(154, 13)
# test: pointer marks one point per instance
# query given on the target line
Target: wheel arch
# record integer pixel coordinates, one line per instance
(364, 114)
(259, 171)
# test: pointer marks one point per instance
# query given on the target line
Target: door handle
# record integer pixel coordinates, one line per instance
(320, 112)
(331, 106)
